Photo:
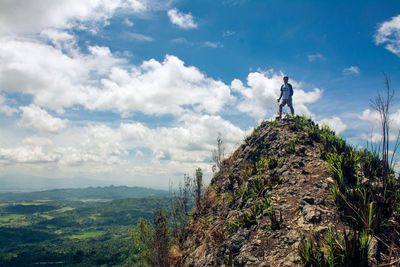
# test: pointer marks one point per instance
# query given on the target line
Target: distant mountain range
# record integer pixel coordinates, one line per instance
(33, 183)
(76, 194)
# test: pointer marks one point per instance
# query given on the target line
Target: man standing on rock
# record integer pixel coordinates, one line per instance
(286, 95)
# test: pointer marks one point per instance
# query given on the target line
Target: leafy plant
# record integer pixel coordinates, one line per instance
(335, 249)
(272, 162)
(246, 171)
(291, 147)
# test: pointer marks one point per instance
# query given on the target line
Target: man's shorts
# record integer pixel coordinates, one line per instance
(288, 102)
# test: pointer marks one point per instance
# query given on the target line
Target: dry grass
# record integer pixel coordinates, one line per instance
(210, 197)
(175, 256)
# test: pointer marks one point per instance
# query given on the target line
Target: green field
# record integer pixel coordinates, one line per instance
(89, 234)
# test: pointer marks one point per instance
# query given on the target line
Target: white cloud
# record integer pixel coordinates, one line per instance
(55, 79)
(101, 81)
(351, 70)
(167, 87)
(213, 44)
(184, 21)
(19, 16)
(192, 140)
(128, 23)
(61, 40)
(101, 150)
(389, 35)
(315, 57)
(371, 116)
(139, 37)
(189, 142)
(374, 118)
(335, 123)
(97, 144)
(5, 108)
(31, 150)
(36, 118)
(396, 119)
(259, 99)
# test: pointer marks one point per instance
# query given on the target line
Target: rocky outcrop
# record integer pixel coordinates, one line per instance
(269, 193)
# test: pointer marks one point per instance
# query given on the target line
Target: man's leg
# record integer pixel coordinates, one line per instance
(290, 104)
(280, 111)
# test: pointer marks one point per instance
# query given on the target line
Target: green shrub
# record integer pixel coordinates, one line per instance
(291, 147)
(335, 249)
(272, 162)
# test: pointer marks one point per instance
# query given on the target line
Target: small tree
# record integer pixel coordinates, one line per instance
(382, 104)
(218, 154)
(198, 188)
(152, 241)
(161, 240)
(142, 237)
(180, 209)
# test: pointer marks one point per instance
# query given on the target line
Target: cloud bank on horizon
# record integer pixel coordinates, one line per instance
(74, 105)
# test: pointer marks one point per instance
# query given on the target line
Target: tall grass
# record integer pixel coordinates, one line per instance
(364, 193)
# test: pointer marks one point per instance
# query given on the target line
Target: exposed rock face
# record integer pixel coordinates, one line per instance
(272, 191)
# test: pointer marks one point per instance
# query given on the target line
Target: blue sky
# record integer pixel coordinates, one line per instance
(136, 91)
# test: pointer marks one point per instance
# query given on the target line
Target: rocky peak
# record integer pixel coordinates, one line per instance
(268, 194)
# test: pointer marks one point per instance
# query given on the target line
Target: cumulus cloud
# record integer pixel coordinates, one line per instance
(19, 16)
(351, 70)
(192, 140)
(335, 123)
(55, 79)
(167, 87)
(61, 40)
(189, 142)
(259, 98)
(31, 150)
(373, 117)
(184, 21)
(315, 57)
(39, 119)
(101, 149)
(101, 81)
(93, 144)
(388, 34)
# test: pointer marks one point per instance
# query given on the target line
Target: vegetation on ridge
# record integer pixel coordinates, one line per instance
(367, 193)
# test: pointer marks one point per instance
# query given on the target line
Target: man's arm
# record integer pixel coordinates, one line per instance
(291, 90)
(279, 99)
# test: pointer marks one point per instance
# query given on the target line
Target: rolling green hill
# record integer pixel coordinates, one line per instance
(74, 227)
